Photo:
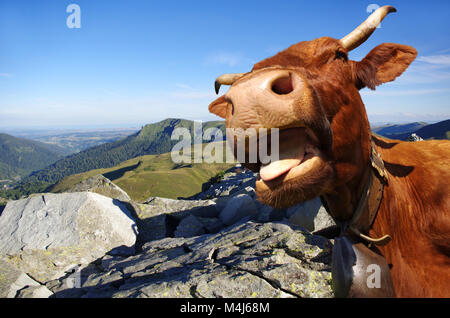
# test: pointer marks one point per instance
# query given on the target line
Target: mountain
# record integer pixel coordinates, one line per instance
(151, 139)
(440, 130)
(19, 157)
(152, 175)
(393, 129)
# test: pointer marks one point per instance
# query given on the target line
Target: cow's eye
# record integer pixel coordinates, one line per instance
(341, 55)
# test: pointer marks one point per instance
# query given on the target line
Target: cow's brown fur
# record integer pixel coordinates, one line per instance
(415, 207)
(415, 211)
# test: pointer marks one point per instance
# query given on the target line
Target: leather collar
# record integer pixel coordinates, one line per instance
(370, 201)
(375, 177)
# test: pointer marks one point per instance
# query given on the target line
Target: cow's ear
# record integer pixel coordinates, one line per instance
(383, 64)
(219, 107)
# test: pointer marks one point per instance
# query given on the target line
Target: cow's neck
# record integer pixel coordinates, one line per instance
(358, 204)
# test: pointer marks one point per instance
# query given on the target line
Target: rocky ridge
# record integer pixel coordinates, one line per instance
(94, 241)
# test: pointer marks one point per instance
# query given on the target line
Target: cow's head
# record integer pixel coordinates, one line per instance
(310, 91)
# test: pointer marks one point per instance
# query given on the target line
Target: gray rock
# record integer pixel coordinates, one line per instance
(22, 281)
(12, 279)
(34, 292)
(179, 209)
(206, 211)
(268, 214)
(264, 212)
(15, 283)
(153, 215)
(245, 260)
(151, 222)
(101, 185)
(234, 181)
(247, 190)
(238, 207)
(188, 227)
(310, 215)
(49, 233)
(212, 225)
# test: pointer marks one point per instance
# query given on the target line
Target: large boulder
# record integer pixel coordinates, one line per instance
(310, 215)
(159, 217)
(34, 292)
(188, 227)
(101, 185)
(237, 208)
(45, 235)
(152, 224)
(245, 260)
(14, 282)
(181, 208)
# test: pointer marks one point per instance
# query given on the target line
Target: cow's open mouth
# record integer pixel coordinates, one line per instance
(297, 150)
(300, 173)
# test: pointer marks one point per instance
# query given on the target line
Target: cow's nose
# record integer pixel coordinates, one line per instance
(282, 83)
(267, 98)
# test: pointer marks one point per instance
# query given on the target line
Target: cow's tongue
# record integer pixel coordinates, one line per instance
(277, 168)
(292, 151)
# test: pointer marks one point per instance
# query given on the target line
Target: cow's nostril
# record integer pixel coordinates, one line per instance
(283, 85)
(230, 104)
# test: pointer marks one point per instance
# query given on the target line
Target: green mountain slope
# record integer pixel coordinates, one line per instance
(19, 156)
(151, 139)
(152, 175)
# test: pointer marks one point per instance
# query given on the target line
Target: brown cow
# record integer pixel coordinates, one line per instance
(310, 91)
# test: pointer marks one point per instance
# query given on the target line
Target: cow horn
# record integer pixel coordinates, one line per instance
(226, 79)
(365, 30)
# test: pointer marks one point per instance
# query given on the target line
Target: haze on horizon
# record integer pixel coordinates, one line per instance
(134, 63)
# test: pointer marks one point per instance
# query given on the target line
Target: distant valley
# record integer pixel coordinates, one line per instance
(75, 141)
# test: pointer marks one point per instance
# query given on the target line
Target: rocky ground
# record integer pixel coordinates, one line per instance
(94, 241)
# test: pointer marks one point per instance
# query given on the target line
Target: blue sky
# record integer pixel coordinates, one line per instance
(136, 62)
